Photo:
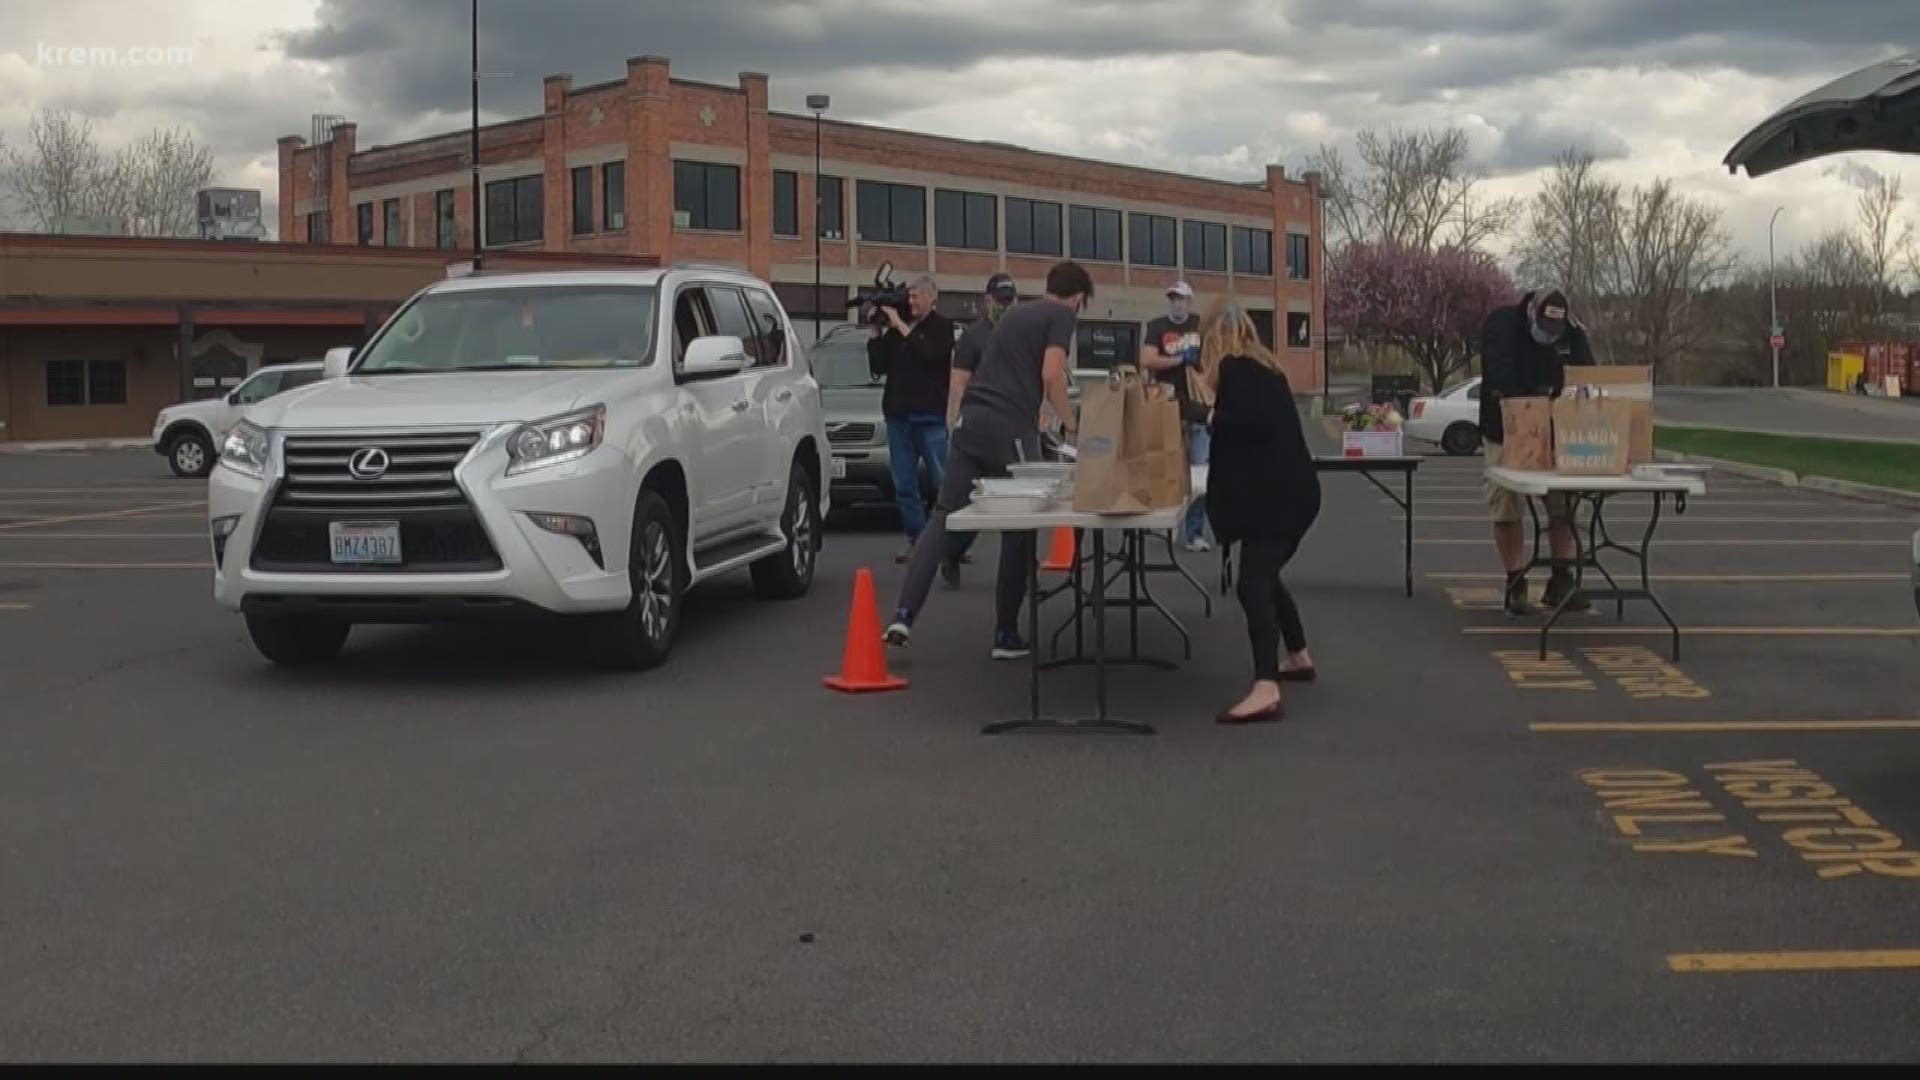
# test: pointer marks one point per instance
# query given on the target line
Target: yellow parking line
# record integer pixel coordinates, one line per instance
(1692, 519)
(102, 515)
(1744, 579)
(1831, 960)
(1686, 726)
(14, 607)
(1705, 631)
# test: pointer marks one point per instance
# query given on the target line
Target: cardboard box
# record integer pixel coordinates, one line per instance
(1632, 384)
(1591, 436)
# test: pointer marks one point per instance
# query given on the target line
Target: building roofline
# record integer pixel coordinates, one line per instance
(992, 144)
(12, 241)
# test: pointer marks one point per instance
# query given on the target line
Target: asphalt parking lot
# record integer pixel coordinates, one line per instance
(463, 845)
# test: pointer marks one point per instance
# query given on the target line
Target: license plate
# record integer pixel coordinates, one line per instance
(839, 468)
(365, 543)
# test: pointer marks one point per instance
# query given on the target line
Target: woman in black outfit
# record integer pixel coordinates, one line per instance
(1263, 494)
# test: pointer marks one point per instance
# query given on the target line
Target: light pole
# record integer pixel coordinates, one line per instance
(1773, 300)
(473, 131)
(818, 103)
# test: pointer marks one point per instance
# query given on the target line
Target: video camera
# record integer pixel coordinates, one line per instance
(886, 293)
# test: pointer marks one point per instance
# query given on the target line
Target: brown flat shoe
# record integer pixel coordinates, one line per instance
(1270, 713)
(1304, 674)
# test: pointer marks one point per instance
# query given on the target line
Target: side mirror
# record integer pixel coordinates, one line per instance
(713, 356)
(336, 362)
(233, 397)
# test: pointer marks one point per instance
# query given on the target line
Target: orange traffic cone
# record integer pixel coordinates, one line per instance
(863, 669)
(1060, 555)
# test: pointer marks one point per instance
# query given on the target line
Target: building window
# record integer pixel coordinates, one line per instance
(582, 199)
(1152, 240)
(86, 382)
(613, 192)
(1206, 246)
(965, 219)
(786, 204)
(1299, 257)
(706, 196)
(514, 210)
(1093, 234)
(443, 228)
(1299, 329)
(890, 213)
(1033, 228)
(1253, 254)
(393, 231)
(316, 228)
(364, 225)
(1262, 325)
(833, 208)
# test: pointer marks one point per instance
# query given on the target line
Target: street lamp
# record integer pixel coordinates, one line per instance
(818, 104)
(473, 130)
(1773, 301)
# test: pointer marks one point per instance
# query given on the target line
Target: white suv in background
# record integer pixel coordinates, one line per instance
(189, 434)
(586, 443)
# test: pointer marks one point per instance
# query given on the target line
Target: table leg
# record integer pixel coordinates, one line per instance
(1646, 576)
(1579, 560)
(1136, 549)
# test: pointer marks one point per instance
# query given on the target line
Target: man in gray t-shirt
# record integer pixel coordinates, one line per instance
(1024, 364)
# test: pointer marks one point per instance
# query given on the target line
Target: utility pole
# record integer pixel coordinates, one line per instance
(818, 103)
(473, 138)
(1773, 301)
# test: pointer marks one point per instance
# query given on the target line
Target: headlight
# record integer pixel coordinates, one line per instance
(245, 449)
(557, 439)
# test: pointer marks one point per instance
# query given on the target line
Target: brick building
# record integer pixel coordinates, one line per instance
(660, 166)
(99, 333)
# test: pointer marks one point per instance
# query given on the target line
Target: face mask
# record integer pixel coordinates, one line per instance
(1543, 336)
(1178, 311)
(995, 309)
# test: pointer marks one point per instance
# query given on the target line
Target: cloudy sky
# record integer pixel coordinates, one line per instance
(1655, 87)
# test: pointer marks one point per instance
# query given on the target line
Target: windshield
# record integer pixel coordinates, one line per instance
(507, 329)
(840, 362)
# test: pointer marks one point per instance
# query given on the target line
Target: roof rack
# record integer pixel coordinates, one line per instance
(696, 265)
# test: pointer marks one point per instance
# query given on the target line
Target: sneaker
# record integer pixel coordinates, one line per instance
(950, 572)
(1007, 645)
(1515, 602)
(1558, 588)
(898, 633)
(1198, 545)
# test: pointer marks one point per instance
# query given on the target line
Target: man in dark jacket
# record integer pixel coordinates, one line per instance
(915, 357)
(1524, 352)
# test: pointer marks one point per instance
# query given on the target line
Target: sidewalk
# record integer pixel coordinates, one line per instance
(75, 445)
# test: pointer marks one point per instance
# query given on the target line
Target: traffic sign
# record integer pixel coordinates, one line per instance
(1778, 341)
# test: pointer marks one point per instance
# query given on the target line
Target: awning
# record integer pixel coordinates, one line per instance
(1875, 108)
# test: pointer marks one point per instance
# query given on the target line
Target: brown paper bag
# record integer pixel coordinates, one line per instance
(1164, 448)
(1591, 436)
(1632, 384)
(1528, 442)
(1112, 475)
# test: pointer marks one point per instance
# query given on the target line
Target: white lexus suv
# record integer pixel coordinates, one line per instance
(588, 444)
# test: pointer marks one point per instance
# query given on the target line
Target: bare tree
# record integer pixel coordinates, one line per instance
(1415, 188)
(1671, 249)
(156, 179)
(1881, 236)
(146, 187)
(60, 173)
(1572, 237)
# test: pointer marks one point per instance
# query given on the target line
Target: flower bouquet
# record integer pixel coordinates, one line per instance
(1371, 431)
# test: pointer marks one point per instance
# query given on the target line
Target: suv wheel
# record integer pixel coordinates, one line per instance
(190, 454)
(789, 575)
(641, 637)
(297, 640)
(1460, 440)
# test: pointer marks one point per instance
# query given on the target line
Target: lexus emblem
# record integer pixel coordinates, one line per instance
(369, 463)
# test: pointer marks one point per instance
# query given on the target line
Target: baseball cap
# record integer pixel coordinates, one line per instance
(1551, 311)
(1001, 287)
(1180, 289)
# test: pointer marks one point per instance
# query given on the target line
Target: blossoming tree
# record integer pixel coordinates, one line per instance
(1429, 305)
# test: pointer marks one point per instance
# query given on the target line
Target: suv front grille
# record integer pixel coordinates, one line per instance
(852, 433)
(439, 530)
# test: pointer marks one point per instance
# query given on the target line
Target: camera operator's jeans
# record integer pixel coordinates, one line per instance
(1199, 444)
(911, 440)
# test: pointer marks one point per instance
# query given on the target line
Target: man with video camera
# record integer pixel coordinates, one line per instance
(913, 352)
